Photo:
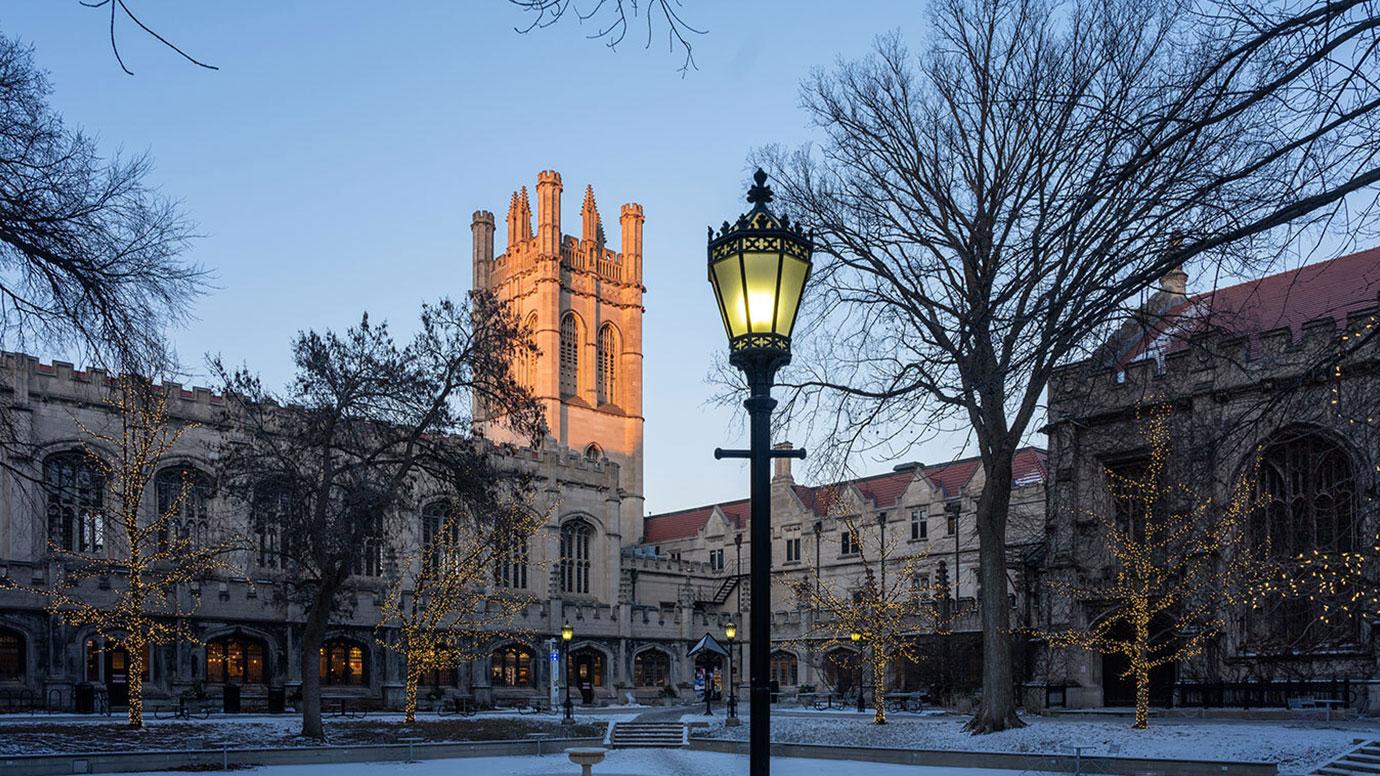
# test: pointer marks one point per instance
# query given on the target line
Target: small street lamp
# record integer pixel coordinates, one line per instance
(567, 633)
(857, 639)
(731, 718)
(758, 266)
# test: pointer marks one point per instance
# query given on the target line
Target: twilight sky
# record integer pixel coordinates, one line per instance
(333, 161)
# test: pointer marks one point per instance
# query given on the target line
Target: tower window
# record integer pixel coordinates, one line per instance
(570, 356)
(607, 373)
(575, 557)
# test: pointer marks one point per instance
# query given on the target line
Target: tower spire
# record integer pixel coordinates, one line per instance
(592, 233)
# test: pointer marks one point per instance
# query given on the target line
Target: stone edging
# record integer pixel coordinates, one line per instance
(1121, 766)
(162, 760)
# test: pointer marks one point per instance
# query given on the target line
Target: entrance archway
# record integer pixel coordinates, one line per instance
(1119, 686)
(587, 672)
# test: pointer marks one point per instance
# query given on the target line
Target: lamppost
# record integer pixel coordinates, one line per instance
(857, 639)
(758, 267)
(738, 591)
(731, 715)
(567, 633)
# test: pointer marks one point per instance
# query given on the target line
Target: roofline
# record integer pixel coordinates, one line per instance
(926, 468)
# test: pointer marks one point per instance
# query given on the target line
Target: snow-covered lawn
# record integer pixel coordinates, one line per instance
(622, 762)
(1296, 746)
(42, 734)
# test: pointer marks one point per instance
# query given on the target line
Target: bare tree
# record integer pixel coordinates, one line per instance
(120, 9)
(986, 210)
(89, 252)
(610, 21)
(132, 576)
(1180, 565)
(328, 468)
(887, 603)
(451, 596)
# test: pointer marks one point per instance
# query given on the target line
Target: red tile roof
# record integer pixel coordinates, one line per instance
(881, 490)
(1328, 289)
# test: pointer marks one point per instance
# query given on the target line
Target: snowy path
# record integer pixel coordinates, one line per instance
(623, 762)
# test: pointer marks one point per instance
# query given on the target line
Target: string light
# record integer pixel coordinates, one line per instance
(1177, 558)
(443, 606)
(878, 611)
(150, 563)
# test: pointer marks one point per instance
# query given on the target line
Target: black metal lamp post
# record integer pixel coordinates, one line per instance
(567, 633)
(857, 639)
(758, 267)
(731, 713)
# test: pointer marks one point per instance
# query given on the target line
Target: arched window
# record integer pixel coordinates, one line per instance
(575, 536)
(344, 662)
(570, 355)
(841, 669)
(606, 361)
(1306, 503)
(511, 666)
(236, 659)
(184, 498)
(785, 669)
(11, 656)
(273, 508)
(435, 519)
(651, 668)
(527, 360)
(369, 562)
(510, 561)
(75, 491)
(593, 453)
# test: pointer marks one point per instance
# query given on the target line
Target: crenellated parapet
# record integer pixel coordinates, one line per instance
(1216, 362)
(28, 378)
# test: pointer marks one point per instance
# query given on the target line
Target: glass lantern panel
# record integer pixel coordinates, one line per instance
(762, 269)
(728, 281)
(793, 273)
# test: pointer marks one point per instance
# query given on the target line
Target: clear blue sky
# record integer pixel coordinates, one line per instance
(333, 161)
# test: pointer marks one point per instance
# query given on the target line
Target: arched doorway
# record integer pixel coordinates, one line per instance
(587, 672)
(11, 655)
(107, 664)
(840, 669)
(1119, 686)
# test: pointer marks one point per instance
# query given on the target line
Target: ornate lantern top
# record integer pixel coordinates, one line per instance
(758, 266)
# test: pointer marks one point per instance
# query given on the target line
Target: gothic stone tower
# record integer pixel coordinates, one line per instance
(583, 301)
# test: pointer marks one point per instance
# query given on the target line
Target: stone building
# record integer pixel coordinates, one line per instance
(1246, 371)
(632, 615)
(920, 511)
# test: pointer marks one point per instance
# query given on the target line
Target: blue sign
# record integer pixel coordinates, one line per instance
(555, 656)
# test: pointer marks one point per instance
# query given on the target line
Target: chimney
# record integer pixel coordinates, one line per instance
(783, 465)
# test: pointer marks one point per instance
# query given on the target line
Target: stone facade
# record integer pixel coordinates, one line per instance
(916, 510)
(1239, 367)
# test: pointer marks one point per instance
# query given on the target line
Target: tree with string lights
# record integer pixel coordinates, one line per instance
(451, 597)
(880, 609)
(152, 564)
(1180, 563)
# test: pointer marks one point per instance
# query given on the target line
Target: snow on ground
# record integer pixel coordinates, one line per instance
(1296, 746)
(623, 762)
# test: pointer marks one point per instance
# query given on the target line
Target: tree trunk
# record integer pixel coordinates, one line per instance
(1141, 668)
(878, 687)
(998, 707)
(136, 682)
(313, 634)
(410, 692)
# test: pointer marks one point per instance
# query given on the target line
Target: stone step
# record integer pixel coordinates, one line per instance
(1364, 760)
(647, 735)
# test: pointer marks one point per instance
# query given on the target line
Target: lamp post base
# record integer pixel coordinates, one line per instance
(732, 722)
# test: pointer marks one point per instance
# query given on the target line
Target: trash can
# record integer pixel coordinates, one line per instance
(84, 698)
(277, 700)
(231, 699)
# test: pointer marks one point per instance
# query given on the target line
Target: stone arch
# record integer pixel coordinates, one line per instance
(16, 660)
(572, 331)
(1307, 500)
(188, 488)
(74, 496)
(653, 666)
(512, 663)
(346, 661)
(577, 550)
(608, 348)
